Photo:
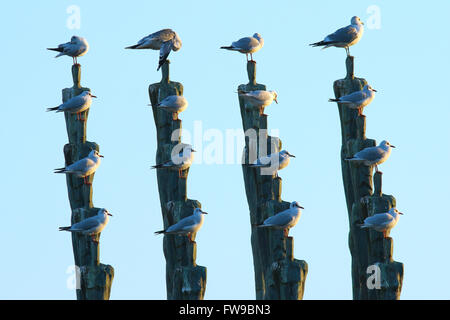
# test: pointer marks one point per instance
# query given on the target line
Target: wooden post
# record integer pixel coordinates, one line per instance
(185, 280)
(278, 276)
(95, 277)
(367, 248)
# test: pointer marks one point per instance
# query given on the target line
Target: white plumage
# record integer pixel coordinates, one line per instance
(90, 226)
(285, 219)
(382, 222)
(247, 45)
(77, 47)
(186, 226)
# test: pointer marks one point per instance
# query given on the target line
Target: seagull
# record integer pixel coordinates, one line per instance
(373, 155)
(259, 98)
(186, 226)
(344, 37)
(285, 219)
(90, 226)
(164, 40)
(382, 222)
(83, 167)
(358, 99)
(77, 47)
(280, 159)
(180, 163)
(76, 104)
(247, 45)
(174, 104)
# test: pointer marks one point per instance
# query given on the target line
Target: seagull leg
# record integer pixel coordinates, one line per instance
(174, 116)
(246, 56)
(286, 232)
(251, 57)
(189, 235)
(93, 238)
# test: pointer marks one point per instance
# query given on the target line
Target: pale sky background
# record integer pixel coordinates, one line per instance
(406, 60)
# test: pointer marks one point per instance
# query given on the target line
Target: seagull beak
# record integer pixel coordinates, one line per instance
(301, 207)
(291, 155)
(109, 214)
(392, 146)
(374, 90)
(193, 150)
(401, 213)
(204, 212)
(276, 101)
(101, 156)
(93, 96)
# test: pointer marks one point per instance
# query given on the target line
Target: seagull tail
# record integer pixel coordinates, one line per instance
(56, 49)
(362, 225)
(318, 44)
(349, 159)
(64, 228)
(157, 166)
(160, 232)
(333, 100)
(132, 47)
(227, 47)
(60, 170)
(52, 109)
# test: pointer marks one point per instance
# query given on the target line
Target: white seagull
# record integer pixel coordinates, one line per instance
(77, 104)
(285, 219)
(344, 37)
(247, 45)
(183, 161)
(280, 160)
(164, 40)
(358, 99)
(186, 226)
(174, 104)
(90, 226)
(373, 155)
(382, 222)
(83, 167)
(259, 98)
(77, 47)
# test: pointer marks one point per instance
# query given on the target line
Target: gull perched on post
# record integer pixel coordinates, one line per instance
(357, 100)
(90, 226)
(83, 167)
(174, 104)
(77, 47)
(285, 219)
(259, 98)
(382, 222)
(373, 155)
(180, 162)
(164, 40)
(186, 226)
(277, 161)
(344, 37)
(76, 104)
(247, 45)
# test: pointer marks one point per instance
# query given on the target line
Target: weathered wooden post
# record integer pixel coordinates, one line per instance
(277, 274)
(368, 248)
(185, 280)
(95, 278)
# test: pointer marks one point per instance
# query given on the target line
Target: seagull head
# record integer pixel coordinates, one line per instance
(356, 20)
(90, 94)
(275, 96)
(295, 204)
(95, 153)
(199, 211)
(369, 88)
(394, 212)
(104, 211)
(176, 42)
(258, 37)
(386, 144)
(287, 153)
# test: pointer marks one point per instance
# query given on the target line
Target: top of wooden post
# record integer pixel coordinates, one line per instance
(251, 71)
(349, 63)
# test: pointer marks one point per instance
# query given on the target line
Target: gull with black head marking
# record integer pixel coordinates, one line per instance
(77, 104)
(373, 155)
(90, 226)
(285, 220)
(186, 226)
(83, 167)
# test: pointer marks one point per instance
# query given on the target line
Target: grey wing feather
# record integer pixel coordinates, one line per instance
(379, 219)
(371, 154)
(245, 43)
(80, 165)
(280, 219)
(164, 52)
(183, 224)
(354, 97)
(346, 35)
(73, 103)
(86, 224)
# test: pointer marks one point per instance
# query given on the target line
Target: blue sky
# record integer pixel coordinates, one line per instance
(406, 60)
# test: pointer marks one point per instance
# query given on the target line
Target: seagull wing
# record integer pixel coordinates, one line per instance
(81, 165)
(281, 219)
(371, 154)
(379, 219)
(246, 43)
(354, 98)
(72, 104)
(343, 35)
(86, 224)
(164, 52)
(184, 225)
